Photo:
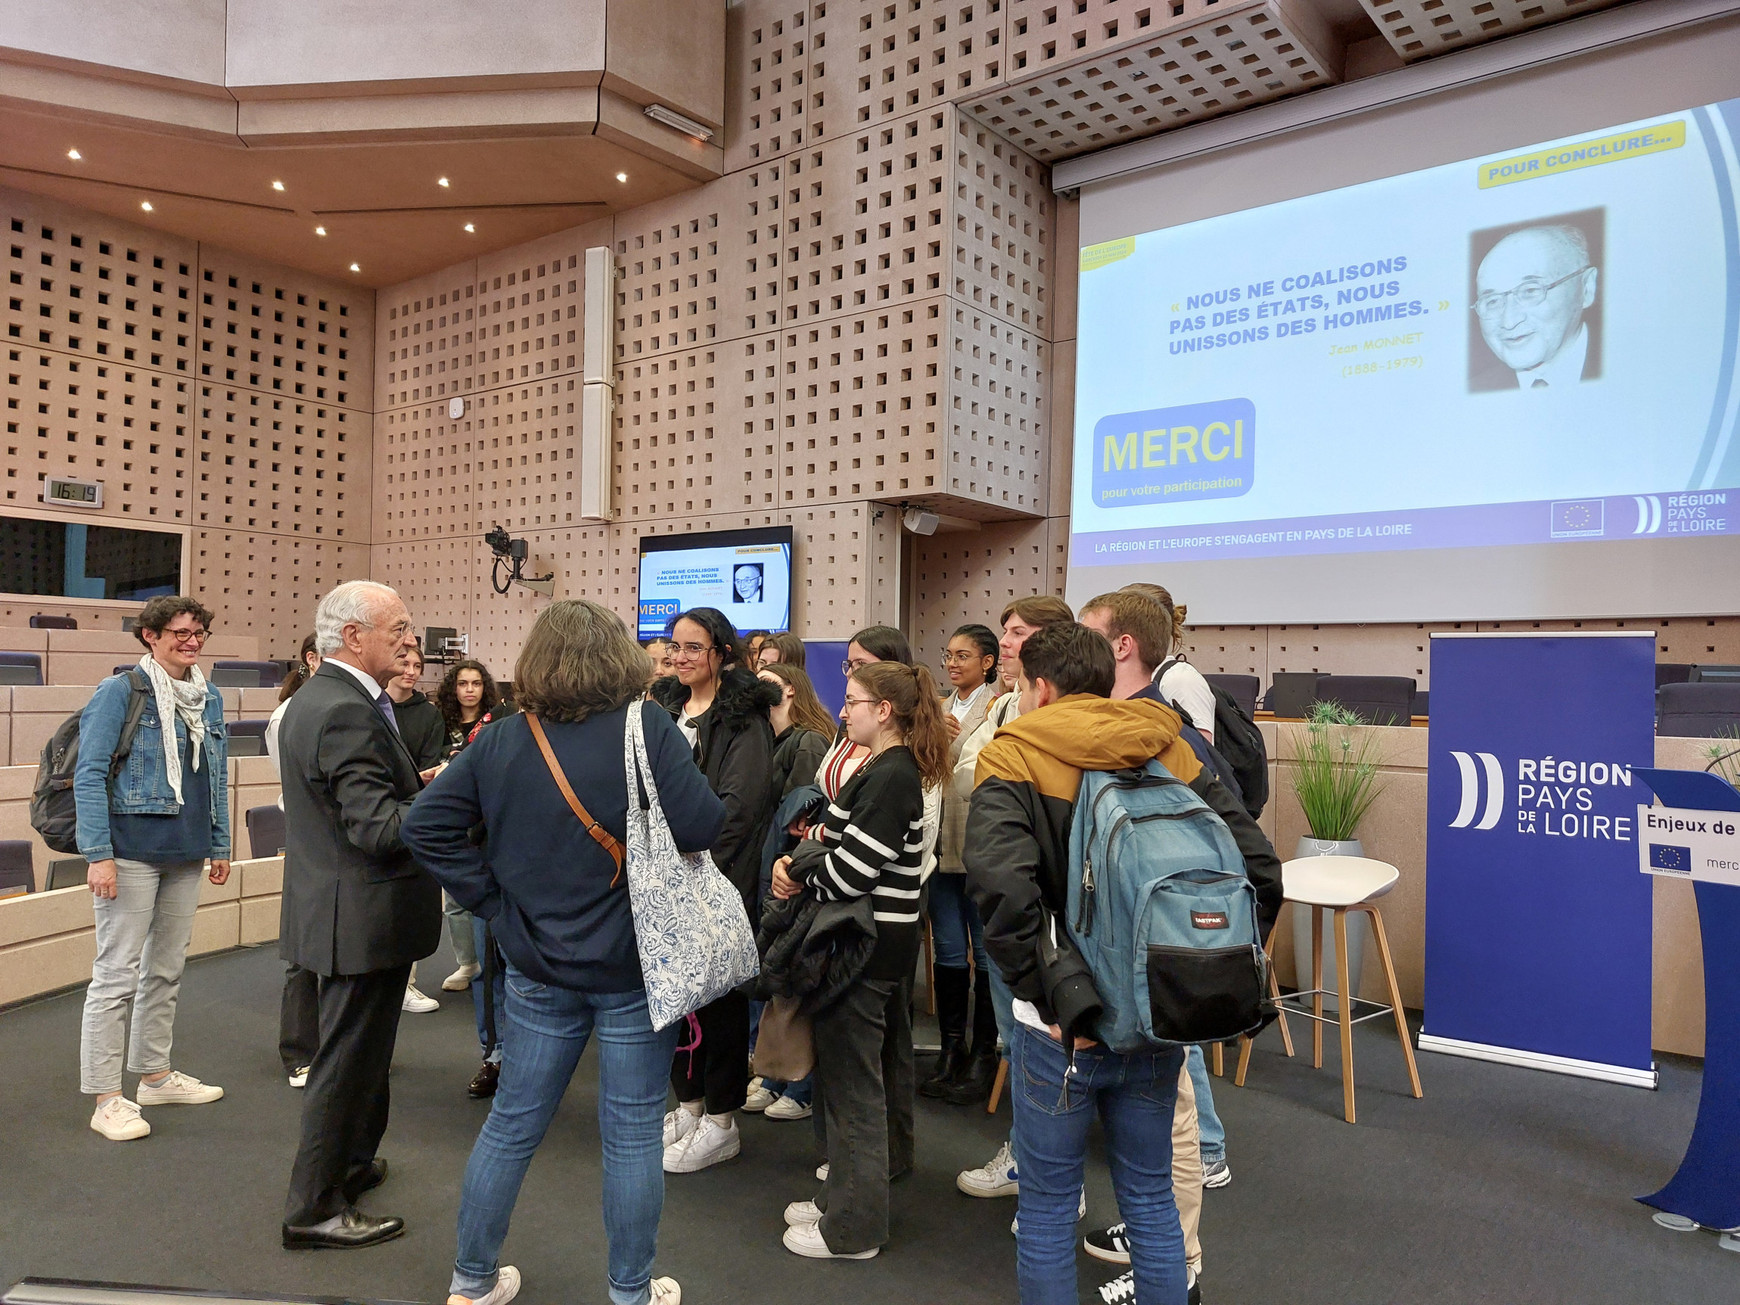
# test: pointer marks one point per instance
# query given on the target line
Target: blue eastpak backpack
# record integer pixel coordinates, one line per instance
(1164, 913)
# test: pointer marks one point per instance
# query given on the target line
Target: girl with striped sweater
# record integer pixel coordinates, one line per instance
(873, 834)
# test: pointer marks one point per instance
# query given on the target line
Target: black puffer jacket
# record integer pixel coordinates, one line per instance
(735, 752)
(814, 950)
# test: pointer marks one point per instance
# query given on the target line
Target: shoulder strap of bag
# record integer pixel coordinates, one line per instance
(600, 834)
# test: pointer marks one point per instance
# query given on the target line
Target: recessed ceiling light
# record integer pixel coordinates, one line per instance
(277, 185)
(622, 176)
(320, 231)
(74, 155)
(355, 268)
(442, 181)
(146, 205)
(470, 229)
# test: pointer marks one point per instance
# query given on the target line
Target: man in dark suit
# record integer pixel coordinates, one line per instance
(357, 910)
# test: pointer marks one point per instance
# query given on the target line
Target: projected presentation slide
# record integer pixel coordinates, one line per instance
(1526, 348)
(744, 573)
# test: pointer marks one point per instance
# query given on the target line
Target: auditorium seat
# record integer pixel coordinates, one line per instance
(68, 872)
(1697, 710)
(1702, 674)
(1291, 692)
(1673, 673)
(265, 831)
(43, 622)
(15, 871)
(247, 738)
(1242, 689)
(20, 668)
(1420, 708)
(247, 675)
(1376, 699)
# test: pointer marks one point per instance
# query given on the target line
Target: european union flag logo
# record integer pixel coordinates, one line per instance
(1577, 518)
(1662, 856)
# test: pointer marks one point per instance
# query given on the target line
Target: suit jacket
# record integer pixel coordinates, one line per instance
(354, 899)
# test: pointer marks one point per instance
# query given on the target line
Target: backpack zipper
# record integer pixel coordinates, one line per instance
(1084, 916)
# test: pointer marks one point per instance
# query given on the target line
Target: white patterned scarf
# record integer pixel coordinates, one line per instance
(183, 698)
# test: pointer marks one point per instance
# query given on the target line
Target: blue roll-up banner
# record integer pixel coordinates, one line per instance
(1538, 925)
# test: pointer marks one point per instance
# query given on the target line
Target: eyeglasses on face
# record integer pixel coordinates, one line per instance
(1530, 294)
(852, 665)
(961, 658)
(690, 650)
(185, 634)
(852, 702)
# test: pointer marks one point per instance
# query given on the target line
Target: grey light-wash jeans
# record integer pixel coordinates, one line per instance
(459, 930)
(142, 937)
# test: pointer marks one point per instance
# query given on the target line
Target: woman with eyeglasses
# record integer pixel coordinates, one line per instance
(970, 663)
(871, 841)
(147, 827)
(877, 643)
(722, 710)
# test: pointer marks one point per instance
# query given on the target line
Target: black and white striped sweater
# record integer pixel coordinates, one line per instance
(874, 836)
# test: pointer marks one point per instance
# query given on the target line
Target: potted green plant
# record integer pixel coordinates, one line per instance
(1336, 780)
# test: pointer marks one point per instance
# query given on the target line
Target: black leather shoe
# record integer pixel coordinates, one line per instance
(343, 1232)
(369, 1179)
(483, 1083)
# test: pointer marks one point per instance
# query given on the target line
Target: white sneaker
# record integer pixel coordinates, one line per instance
(416, 1003)
(118, 1119)
(822, 1172)
(787, 1109)
(1215, 1174)
(800, 1212)
(679, 1123)
(177, 1090)
(708, 1145)
(998, 1178)
(759, 1098)
(1121, 1290)
(665, 1292)
(300, 1078)
(806, 1240)
(461, 978)
(507, 1286)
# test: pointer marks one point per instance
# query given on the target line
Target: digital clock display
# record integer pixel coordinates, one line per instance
(69, 491)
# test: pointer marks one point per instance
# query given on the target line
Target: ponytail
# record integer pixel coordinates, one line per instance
(912, 692)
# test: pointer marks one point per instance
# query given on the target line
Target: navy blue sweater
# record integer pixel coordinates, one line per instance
(538, 877)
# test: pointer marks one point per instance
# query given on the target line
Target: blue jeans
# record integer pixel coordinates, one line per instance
(1208, 1125)
(955, 923)
(480, 995)
(544, 1030)
(1054, 1107)
(1003, 1002)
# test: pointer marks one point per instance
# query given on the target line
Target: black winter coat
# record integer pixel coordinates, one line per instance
(735, 752)
(814, 950)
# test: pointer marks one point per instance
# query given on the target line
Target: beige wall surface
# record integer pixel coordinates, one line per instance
(177, 40)
(338, 41)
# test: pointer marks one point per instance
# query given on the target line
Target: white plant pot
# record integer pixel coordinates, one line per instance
(1357, 928)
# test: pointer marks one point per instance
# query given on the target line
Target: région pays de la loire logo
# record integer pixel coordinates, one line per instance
(1551, 797)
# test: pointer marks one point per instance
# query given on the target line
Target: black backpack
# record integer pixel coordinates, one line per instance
(53, 812)
(1239, 745)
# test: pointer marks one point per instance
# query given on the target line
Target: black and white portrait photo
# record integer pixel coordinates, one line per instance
(746, 582)
(1535, 320)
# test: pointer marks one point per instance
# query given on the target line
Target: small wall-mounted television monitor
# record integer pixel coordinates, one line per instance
(744, 573)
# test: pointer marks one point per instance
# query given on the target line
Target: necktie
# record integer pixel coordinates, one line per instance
(384, 704)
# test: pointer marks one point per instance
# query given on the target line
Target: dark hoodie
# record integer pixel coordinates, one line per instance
(734, 749)
(1017, 846)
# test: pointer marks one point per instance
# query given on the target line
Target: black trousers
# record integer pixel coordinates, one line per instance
(717, 1071)
(864, 1092)
(344, 1107)
(299, 1018)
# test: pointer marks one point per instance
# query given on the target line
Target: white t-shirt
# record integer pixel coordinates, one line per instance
(1182, 684)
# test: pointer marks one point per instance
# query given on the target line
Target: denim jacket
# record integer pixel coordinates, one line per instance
(142, 785)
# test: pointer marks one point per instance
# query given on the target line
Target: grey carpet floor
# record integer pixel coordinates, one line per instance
(1503, 1185)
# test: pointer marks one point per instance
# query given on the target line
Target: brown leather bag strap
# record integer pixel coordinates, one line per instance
(600, 834)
